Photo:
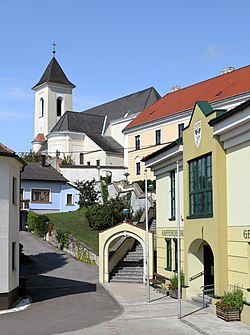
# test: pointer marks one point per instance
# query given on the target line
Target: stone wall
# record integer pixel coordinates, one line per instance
(75, 247)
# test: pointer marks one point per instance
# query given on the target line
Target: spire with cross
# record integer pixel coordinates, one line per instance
(54, 49)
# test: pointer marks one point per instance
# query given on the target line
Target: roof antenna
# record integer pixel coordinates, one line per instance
(54, 49)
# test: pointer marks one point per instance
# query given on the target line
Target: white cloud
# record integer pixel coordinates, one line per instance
(212, 52)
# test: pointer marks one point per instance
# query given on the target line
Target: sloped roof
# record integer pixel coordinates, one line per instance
(79, 122)
(91, 125)
(128, 105)
(5, 151)
(54, 74)
(35, 171)
(211, 90)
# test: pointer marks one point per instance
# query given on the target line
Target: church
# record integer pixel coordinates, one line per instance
(90, 138)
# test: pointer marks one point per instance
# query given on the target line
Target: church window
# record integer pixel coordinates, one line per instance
(41, 107)
(81, 158)
(59, 107)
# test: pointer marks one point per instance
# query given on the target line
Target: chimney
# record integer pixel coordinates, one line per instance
(43, 160)
(176, 88)
(227, 69)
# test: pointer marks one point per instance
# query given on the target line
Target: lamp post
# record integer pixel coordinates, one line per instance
(147, 237)
(126, 174)
(125, 213)
(151, 190)
(178, 238)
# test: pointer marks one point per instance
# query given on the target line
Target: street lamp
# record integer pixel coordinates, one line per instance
(126, 174)
(125, 213)
(151, 189)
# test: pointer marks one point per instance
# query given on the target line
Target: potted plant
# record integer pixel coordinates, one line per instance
(173, 285)
(230, 306)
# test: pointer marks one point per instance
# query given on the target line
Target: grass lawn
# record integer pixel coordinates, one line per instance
(77, 224)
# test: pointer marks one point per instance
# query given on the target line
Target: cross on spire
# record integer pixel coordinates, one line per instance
(54, 49)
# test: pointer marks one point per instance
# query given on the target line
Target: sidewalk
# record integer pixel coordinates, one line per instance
(159, 317)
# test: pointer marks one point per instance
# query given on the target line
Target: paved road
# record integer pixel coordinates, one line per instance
(65, 293)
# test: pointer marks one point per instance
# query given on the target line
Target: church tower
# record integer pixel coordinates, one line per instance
(53, 97)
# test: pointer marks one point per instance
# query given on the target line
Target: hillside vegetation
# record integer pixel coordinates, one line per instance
(77, 224)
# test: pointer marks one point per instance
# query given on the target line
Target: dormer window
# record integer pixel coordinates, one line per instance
(59, 107)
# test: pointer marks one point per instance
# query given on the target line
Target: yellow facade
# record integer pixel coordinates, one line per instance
(215, 243)
(204, 230)
(169, 132)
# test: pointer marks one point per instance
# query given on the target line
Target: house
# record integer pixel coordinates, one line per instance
(163, 121)
(210, 173)
(10, 167)
(93, 137)
(46, 190)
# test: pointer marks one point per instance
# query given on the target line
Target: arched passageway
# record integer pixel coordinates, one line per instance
(200, 268)
(124, 229)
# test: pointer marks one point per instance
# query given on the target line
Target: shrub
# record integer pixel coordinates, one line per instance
(82, 256)
(232, 300)
(99, 216)
(62, 237)
(137, 215)
(38, 223)
(174, 281)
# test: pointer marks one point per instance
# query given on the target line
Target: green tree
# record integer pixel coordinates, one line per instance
(88, 194)
(32, 156)
(67, 160)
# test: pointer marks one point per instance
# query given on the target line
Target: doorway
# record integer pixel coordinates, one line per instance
(208, 259)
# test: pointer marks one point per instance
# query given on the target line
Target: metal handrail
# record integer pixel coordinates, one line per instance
(205, 290)
(197, 275)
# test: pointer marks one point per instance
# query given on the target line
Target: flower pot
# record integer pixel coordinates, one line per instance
(173, 292)
(228, 314)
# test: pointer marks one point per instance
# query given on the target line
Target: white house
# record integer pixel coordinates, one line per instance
(10, 167)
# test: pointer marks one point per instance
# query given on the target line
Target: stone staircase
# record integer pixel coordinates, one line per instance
(130, 268)
(198, 300)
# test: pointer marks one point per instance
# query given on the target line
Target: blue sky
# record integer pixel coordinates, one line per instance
(112, 48)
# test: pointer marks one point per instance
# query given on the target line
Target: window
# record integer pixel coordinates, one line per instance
(169, 254)
(41, 107)
(81, 158)
(200, 187)
(137, 142)
(172, 193)
(175, 254)
(14, 191)
(40, 195)
(88, 163)
(59, 107)
(158, 137)
(138, 168)
(98, 162)
(69, 200)
(13, 251)
(180, 129)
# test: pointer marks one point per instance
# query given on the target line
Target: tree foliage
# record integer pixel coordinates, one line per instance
(67, 160)
(88, 195)
(39, 224)
(101, 217)
(32, 156)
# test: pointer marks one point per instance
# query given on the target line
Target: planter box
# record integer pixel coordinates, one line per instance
(174, 293)
(227, 314)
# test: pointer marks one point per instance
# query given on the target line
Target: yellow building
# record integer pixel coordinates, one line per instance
(211, 172)
(163, 121)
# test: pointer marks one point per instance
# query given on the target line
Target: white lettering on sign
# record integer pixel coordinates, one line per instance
(171, 232)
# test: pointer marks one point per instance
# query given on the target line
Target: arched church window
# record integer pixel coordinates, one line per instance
(81, 158)
(41, 107)
(59, 107)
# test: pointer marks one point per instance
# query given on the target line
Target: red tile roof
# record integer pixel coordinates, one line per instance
(39, 138)
(4, 149)
(214, 89)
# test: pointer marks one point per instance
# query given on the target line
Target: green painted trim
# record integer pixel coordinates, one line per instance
(205, 107)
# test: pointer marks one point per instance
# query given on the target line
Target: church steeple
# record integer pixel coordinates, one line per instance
(54, 74)
(53, 97)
